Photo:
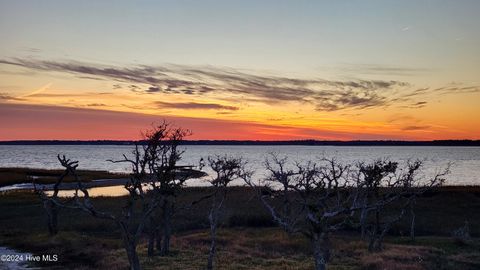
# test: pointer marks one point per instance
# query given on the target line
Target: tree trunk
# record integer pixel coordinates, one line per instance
(375, 243)
(158, 238)
(364, 218)
(52, 217)
(131, 249)
(213, 234)
(321, 251)
(166, 240)
(213, 219)
(363, 221)
(167, 229)
(151, 244)
(132, 257)
(151, 237)
(412, 222)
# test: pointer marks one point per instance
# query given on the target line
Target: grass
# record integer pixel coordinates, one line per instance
(257, 248)
(247, 238)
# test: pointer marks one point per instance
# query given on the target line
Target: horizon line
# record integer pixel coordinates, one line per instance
(447, 142)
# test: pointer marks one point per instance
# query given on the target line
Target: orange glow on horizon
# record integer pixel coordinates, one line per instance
(34, 122)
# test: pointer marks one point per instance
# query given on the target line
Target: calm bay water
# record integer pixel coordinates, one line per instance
(465, 161)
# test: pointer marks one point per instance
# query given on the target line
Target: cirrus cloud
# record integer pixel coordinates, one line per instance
(194, 106)
(194, 81)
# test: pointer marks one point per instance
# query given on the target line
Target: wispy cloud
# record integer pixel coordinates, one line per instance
(415, 128)
(377, 69)
(335, 100)
(453, 88)
(31, 49)
(96, 105)
(194, 106)
(416, 105)
(324, 95)
(6, 97)
(38, 91)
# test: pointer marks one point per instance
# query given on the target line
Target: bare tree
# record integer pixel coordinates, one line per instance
(378, 190)
(157, 162)
(280, 174)
(49, 205)
(387, 192)
(156, 157)
(414, 186)
(226, 170)
(323, 195)
(171, 179)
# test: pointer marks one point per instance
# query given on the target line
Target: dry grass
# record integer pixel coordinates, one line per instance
(271, 248)
(255, 248)
(244, 240)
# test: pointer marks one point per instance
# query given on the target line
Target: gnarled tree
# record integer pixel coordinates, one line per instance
(156, 157)
(156, 163)
(387, 191)
(321, 199)
(51, 202)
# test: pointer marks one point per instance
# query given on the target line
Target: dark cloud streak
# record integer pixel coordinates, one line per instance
(415, 128)
(194, 106)
(324, 95)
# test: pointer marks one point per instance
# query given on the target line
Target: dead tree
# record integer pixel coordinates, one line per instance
(130, 227)
(387, 192)
(375, 178)
(171, 179)
(280, 174)
(157, 163)
(226, 170)
(169, 188)
(49, 205)
(414, 186)
(323, 199)
(143, 187)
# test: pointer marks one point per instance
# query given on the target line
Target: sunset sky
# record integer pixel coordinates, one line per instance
(266, 70)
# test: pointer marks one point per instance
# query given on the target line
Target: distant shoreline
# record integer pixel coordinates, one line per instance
(260, 143)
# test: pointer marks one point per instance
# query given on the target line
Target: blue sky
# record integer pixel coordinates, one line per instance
(312, 37)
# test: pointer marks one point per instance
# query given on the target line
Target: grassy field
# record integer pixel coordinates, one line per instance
(248, 237)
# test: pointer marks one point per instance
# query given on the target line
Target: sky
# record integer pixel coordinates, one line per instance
(240, 70)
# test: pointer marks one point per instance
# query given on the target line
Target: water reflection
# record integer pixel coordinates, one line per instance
(112, 191)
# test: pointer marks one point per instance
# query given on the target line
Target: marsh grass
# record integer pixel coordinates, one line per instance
(247, 238)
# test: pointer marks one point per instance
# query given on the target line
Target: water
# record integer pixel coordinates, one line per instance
(464, 171)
